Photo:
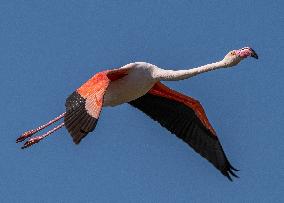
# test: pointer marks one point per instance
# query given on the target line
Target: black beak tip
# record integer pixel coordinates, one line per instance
(254, 54)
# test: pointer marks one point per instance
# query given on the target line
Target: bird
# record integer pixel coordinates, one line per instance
(140, 85)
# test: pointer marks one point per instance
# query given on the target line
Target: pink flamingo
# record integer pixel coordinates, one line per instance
(139, 85)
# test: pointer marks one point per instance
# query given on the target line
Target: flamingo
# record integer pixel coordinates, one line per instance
(139, 84)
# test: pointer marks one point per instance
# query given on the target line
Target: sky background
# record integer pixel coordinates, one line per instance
(49, 48)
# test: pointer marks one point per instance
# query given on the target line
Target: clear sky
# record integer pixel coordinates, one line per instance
(49, 48)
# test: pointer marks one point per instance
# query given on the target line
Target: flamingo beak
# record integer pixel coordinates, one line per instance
(253, 54)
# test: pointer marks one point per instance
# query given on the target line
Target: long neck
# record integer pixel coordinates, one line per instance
(171, 75)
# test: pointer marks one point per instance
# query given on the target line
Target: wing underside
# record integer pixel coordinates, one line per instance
(83, 106)
(181, 119)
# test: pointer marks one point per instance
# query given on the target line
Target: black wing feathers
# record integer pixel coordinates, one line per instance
(77, 120)
(181, 120)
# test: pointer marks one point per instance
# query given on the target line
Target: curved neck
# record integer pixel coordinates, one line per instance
(171, 75)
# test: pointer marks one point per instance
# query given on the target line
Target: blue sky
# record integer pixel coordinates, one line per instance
(49, 48)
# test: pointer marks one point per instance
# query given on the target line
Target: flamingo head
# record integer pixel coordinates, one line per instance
(234, 57)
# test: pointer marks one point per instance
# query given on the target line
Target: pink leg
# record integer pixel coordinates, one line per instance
(29, 133)
(36, 139)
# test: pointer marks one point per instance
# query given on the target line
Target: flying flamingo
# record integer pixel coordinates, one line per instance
(139, 85)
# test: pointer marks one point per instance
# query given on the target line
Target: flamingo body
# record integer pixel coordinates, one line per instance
(136, 82)
(139, 85)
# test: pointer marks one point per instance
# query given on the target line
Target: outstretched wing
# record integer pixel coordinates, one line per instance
(185, 117)
(83, 106)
